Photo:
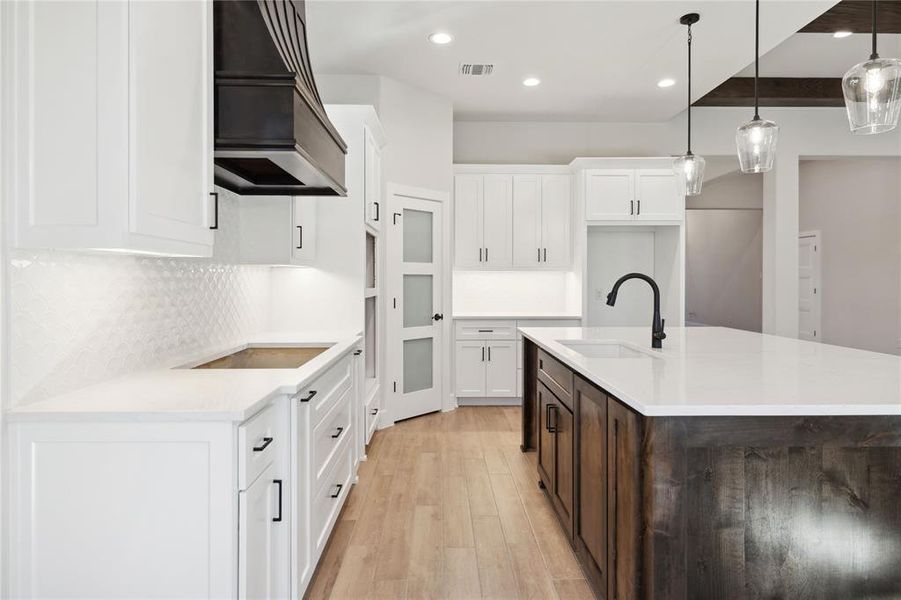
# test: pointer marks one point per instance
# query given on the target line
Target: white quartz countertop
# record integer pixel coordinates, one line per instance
(182, 394)
(717, 371)
(516, 315)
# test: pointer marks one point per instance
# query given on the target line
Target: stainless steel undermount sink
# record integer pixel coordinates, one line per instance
(265, 358)
(605, 349)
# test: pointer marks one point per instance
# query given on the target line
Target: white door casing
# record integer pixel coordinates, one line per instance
(809, 288)
(416, 299)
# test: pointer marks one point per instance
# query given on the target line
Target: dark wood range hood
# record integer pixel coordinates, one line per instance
(272, 136)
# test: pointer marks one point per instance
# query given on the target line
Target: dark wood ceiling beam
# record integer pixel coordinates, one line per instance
(777, 91)
(856, 16)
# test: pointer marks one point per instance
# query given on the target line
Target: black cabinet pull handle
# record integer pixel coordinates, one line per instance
(631, 207)
(551, 409)
(486, 254)
(278, 482)
(300, 237)
(339, 487)
(639, 206)
(376, 204)
(264, 445)
(486, 331)
(545, 255)
(358, 353)
(483, 353)
(374, 411)
(215, 196)
(338, 433)
(539, 254)
(547, 417)
(309, 397)
(489, 353)
(480, 255)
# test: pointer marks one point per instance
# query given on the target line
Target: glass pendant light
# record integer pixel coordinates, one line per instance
(872, 92)
(756, 139)
(690, 168)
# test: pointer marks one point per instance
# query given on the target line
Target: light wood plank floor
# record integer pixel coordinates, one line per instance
(448, 507)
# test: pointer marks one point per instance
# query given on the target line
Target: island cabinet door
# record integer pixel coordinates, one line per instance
(623, 498)
(564, 474)
(546, 405)
(591, 511)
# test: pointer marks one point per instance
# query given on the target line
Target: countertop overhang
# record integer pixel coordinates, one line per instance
(183, 394)
(716, 371)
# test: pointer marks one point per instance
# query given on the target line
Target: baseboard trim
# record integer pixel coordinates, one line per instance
(489, 401)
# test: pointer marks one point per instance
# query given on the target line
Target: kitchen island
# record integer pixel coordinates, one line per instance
(728, 464)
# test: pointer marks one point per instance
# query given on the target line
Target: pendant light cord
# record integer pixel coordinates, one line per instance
(689, 89)
(756, 60)
(874, 55)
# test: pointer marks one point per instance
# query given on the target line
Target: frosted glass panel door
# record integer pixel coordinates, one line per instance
(415, 264)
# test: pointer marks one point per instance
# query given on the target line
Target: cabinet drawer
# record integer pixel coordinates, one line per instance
(485, 330)
(556, 376)
(328, 436)
(327, 389)
(258, 445)
(328, 500)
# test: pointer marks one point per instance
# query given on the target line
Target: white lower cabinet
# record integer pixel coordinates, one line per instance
(128, 508)
(470, 369)
(500, 374)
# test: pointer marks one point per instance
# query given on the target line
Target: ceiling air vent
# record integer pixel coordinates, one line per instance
(475, 70)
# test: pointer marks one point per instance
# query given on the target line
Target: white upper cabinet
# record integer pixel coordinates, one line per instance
(372, 166)
(520, 221)
(633, 195)
(498, 220)
(483, 220)
(278, 230)
(658, 196)
(113, 129)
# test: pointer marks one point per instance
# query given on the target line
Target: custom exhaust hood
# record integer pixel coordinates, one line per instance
(272, 135)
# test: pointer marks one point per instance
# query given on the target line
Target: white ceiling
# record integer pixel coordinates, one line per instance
(598, 60)
(821, 55)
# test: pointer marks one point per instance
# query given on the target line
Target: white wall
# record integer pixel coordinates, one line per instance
(856, 204)
(724, 253)
(516, 292)
(807, 132)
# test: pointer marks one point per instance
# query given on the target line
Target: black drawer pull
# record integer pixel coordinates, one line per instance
(374, 411)
(338, 433)
(486, 331)
(278, 482)
(310, 397)
(338, 488)
(358, 353)
(264, 445)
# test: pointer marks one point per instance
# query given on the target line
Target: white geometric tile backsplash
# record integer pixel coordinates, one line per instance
(78, 319)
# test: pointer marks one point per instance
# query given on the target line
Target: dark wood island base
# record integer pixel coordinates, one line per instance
(720, 508)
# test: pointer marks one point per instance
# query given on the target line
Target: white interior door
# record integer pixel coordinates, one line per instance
(415, 261)
(809, 291)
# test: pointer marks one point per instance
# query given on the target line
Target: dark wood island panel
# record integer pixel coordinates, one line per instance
(727, 507)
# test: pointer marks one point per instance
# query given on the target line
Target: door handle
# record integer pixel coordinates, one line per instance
(278, 482)
(264, 445)
(215, 196)
(299, 237)
(338, 488)
(438, 316)
(338, 433)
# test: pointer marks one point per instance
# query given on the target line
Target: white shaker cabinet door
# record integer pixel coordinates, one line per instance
(372, 180)
(610, 195)
(471, 360)
(555, 220)
(498, 220)
(170, 120)
(526, 221)
(468, 249)
(501, 373)
(304, 233)
(657, 196)
(256, 542)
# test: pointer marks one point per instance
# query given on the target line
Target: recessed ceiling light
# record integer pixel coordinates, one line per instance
(441, 38)
(841, 34)
(665, 83)
(531, 81)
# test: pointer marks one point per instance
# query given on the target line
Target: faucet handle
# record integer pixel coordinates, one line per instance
(661, 335)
